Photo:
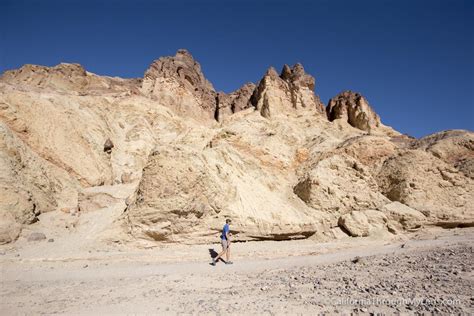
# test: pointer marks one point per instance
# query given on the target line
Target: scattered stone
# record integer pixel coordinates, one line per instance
(36, 236)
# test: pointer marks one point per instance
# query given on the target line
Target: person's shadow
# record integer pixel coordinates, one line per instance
(214, 254)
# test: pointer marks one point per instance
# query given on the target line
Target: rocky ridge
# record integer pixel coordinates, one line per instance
(170, 158)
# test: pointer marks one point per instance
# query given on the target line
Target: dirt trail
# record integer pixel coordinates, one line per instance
(307, 282)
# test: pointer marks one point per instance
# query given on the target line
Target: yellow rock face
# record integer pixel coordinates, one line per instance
(185, 157)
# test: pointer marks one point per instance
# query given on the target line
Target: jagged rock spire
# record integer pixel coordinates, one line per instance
(181, 75)
(353, 108)
(292, 89)
(183, 67)
(297, 76)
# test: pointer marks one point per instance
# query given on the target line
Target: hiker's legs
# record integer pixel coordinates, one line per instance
(220, 255)
(227, 254)
(224, 250)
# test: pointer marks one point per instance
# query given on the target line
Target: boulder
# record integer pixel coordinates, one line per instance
(404, 215)
(363, 223)
(9, 229)
(19, 204)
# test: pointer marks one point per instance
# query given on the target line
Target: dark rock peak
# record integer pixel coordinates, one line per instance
(294, 76)
(297, 76)
(354, 108)
(182, 67)
(272, 73)
(348, 98)
(184, 54)
(286, 72)
(295, 82)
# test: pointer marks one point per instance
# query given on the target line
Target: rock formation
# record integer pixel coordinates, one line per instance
(354, 109)
(456, 148)
(178, 82)
(338, 184)
(166, 158)
(426, 183)
(363, 223)
(289, 92)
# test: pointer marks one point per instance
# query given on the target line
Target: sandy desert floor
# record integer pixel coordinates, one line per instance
(425, 271)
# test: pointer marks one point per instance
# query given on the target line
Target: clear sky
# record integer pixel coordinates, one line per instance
(412, 59)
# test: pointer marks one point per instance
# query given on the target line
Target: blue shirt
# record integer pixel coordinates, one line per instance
(225, 230)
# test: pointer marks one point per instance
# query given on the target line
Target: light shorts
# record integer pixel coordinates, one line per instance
(224, 244)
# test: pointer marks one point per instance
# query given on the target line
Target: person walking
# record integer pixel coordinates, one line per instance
(225, 242)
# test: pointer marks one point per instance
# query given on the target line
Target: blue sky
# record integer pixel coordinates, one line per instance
(413, 60)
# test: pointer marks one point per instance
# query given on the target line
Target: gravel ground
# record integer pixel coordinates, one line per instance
(427, 281)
